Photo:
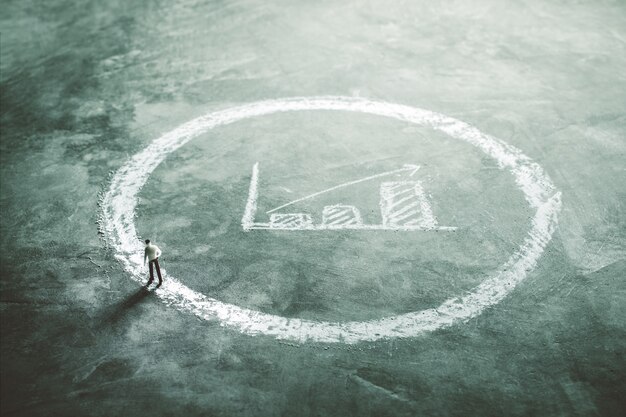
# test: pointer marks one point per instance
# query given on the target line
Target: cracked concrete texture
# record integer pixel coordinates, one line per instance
(84, 88)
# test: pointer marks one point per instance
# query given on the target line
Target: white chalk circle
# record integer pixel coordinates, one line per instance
(118, 227)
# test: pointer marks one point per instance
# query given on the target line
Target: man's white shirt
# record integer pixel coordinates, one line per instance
(152, 252)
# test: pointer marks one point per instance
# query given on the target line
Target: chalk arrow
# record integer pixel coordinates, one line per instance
(405, 168)
(414, 168)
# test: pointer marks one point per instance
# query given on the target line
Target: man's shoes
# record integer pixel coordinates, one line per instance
(159, 284)
(149, 282)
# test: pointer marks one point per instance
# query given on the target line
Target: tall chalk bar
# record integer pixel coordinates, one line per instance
(341, 215)
(404, 203)
(290, 221)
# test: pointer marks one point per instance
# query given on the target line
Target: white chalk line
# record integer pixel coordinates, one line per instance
(251, 204)
(119, 203)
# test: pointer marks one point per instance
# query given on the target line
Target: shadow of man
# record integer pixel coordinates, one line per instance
(123, 307)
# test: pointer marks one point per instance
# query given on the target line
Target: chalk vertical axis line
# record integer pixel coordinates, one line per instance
(247, 221)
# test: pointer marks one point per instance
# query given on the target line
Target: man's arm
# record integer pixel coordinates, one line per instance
(158, 252)
(145, 255)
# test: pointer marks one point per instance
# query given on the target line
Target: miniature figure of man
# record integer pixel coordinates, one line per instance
(151, 255)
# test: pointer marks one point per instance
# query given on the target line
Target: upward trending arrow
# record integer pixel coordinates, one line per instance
(412, 167)
(406, 168)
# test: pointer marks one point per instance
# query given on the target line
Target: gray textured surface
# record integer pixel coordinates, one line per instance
(86, 86)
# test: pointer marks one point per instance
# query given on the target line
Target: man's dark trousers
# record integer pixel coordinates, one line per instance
(152, 264)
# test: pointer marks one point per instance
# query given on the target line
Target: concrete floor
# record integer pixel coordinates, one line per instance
(84, 87)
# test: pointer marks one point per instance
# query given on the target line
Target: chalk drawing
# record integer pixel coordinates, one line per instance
(118, 227)
(411, 212)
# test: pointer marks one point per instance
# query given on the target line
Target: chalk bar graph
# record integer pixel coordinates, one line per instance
(403, 206)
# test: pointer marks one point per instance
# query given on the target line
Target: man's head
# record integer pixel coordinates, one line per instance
(147, 241)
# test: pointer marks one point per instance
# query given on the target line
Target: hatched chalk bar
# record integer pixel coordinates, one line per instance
(341, 215)
(404, 203)
(290, 221)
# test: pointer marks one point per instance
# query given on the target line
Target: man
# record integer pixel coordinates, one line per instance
(152, 254)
